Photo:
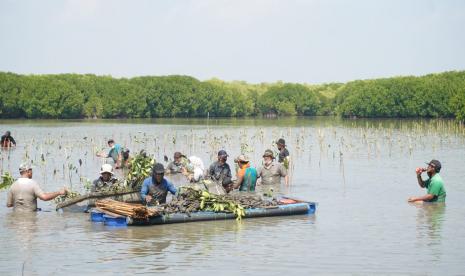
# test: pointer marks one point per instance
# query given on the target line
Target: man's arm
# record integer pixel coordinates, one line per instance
(9, 201)
(52, 195)
(238, 181)
(144, 191)
(171, 187)
(426, 197)
(420, 180)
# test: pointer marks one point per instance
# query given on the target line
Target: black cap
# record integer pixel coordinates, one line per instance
(281, 141)
(222, 153)
(158, 169)
(436, 164)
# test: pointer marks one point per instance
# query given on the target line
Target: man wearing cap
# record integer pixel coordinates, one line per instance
(434, 184)
(176, 166)
(283, 152)
(220, 171)
(155, 188)
(25, 191)
(246, 175)
(271, 172)
(106, 179)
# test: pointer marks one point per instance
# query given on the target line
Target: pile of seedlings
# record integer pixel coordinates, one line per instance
(191, 200)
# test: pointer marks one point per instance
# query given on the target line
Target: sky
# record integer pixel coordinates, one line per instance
(311, 41)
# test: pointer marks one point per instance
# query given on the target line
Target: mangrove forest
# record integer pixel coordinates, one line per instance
(72, 96)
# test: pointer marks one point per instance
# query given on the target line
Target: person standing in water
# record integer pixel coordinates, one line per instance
(434, 184)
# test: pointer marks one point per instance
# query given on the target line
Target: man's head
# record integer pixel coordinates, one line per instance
(177, 157)
(281, 143)
(268, 156)
(158, 171)
(106, 172)
(242, 160)
(222, 156)
(434, 166)
(111, 142)
(25, 169)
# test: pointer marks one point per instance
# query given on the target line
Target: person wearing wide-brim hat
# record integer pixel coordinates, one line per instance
(246, 175)
(271, 172)
(105, 180)
(155, 188)
(24, 192)
(283, 152)
(434, 184)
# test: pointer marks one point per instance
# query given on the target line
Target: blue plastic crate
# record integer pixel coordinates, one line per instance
(112, 221)
(96, 216)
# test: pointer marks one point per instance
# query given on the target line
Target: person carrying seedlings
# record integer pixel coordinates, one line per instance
(7, 140)
(115, 153)
(246, 175)
(283, 156)
(24, 192)
(155, 188)
(434, 184)
(271, 172)
(178, 165)
(219, 171)
(106, 179)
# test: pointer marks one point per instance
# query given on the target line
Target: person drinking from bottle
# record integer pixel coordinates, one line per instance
(434, 184)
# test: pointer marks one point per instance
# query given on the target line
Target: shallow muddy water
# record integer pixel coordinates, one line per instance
(360, 172)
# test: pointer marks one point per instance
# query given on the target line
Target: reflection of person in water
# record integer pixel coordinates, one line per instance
(429, 220)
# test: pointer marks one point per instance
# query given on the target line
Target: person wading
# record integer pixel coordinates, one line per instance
(24, 192)
(246, 175)
(106, 179)
(114, 153)
(271, 172)
(283, 156)
(434, 184)
(220, 171)
(155, 188)
(7, 140)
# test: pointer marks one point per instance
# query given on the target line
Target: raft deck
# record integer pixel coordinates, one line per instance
(300, 208)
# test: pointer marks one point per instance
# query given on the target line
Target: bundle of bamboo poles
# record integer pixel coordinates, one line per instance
(132, 210)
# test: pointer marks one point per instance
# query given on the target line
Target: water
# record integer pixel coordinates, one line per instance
(360, 173)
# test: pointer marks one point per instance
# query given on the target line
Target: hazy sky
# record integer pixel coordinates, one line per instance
(256, 41)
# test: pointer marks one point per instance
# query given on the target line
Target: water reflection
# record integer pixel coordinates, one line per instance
(430, 217)
(22, 234)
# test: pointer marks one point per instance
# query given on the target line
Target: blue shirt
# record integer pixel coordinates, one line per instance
(114, 152)
(158, 192)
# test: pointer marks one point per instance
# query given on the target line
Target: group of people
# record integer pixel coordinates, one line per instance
(24, 191)
(155, 188)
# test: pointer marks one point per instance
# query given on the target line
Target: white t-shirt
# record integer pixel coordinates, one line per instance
(23, 194)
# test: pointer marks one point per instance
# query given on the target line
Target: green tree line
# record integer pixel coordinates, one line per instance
(91, 96)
